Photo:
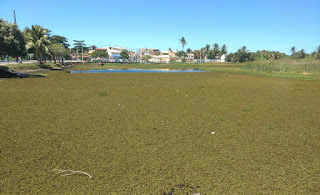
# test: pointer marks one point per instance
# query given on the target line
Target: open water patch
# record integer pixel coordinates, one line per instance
(136, 71)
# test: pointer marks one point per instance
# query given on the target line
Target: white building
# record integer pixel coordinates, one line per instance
(114, 52)
(190, 56)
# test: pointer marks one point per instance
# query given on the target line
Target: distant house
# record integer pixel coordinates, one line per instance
(163, 56)
(102, 49)
(190, 56)
(150, 52)
(132, 56)
(223, 58)
(114, 53)
(92, 47)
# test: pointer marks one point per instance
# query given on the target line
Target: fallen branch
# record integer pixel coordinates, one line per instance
(59, 171)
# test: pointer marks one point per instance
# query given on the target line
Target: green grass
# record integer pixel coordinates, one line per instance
(297, 68)
(285, 65)
(305, 69)
(247, 109)
(154, 137)
(203, 66)
(103, 93)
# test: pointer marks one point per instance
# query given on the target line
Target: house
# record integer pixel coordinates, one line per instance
(132, 56)
(223, 58)
(150, 52)
(92, 47)
(163, 57)
(114, 52)
(190, 56)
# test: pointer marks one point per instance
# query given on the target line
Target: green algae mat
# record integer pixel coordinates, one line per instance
(158, 133)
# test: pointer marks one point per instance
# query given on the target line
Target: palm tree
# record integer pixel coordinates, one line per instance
(223, 50)
(244, 48)
(37, 37)
(293, 50)
(206, 50)
(216, 49)
(183, 42)
(302, 54)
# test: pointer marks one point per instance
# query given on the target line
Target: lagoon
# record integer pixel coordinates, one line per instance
(136, 71)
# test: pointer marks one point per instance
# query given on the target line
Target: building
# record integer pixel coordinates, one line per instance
(150, 52)
(114, 53)
(163, 57)
(132, 56)
(92, 47)
(190, 57)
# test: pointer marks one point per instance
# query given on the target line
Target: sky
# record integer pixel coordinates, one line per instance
(274, 25)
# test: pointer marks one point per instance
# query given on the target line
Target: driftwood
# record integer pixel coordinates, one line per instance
(69, 172)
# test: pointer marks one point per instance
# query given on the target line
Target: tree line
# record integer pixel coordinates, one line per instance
(206, 52)
(244, 55)
(35, 42)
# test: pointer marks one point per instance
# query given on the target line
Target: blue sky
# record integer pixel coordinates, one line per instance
(258, 24)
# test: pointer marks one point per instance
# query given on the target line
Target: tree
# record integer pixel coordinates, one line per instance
(99, 54)
(216, 50)
(241, 56)
(189, 50)
(317, 53)
(183, 42)
(145, 57)
(293, 50)
(206, 50)
(202, 53)
(244, 48)
(57, 50)
(196, 54)
(37, 37)
(302, 54)
(59, 39)
(211, 55)
(223, 50)
(12, 42)
(124, 54)
(180, 53)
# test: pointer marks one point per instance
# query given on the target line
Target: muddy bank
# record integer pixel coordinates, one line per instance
(8, 73)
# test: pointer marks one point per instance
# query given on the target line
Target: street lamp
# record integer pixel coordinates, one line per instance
(77, 44)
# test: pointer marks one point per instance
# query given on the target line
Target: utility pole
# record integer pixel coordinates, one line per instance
(14, 13)
(82, 51)
(79, 43)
